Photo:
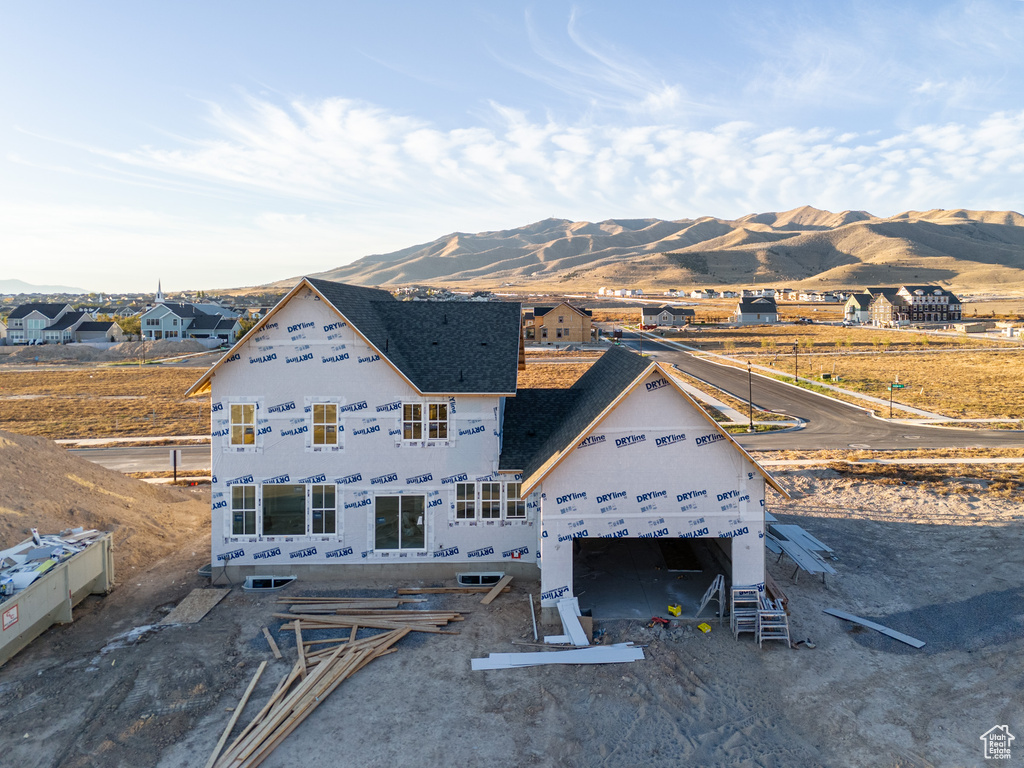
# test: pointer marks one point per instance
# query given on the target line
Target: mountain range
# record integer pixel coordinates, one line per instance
(802, 248)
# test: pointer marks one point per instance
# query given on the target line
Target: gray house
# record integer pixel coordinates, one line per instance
(27, 322)
(757, 311)
(187, 321)
(671, 316)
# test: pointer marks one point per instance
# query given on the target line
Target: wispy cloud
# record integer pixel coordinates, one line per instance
(361, 157)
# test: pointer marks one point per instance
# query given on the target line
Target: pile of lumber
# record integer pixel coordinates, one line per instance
(377, 613)
(322, 665)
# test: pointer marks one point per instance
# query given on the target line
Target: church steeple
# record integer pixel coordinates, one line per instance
(159, 293)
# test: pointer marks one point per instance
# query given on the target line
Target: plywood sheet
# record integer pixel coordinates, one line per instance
(196, 604)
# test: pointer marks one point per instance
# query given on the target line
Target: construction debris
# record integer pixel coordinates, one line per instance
(597, 654)
(196, 604)
(496, 590)
(322, 665)
(877, 627)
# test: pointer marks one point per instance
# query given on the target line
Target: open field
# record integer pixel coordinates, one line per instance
(966, 385)
(90, 401)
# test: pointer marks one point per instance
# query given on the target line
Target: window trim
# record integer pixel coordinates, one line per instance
(242, 423)
(312, 509)
(473, 508)
(402, 497)
(339, 427)
(420, 423)
(233, 509)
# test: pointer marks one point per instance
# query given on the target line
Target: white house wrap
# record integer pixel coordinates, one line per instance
(350, 428)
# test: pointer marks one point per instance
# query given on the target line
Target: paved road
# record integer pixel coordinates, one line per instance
(147, 458)
(830, 423)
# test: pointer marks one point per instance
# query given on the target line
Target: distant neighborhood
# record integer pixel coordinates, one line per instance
(103, 319)
(215, 320)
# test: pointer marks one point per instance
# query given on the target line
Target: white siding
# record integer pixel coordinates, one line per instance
(307, 354)
(655, 467)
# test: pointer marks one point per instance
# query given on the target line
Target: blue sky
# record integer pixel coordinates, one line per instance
(235, 143)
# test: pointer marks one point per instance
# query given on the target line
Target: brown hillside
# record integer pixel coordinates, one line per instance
(43, 486)
(804, 247)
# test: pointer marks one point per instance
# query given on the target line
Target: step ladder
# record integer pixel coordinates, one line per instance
(772, 622)
(744, 603)
(715, 592)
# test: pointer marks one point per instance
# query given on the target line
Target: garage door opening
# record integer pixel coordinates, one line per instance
(639, 578)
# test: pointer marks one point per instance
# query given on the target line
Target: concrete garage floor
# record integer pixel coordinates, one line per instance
(640, 578)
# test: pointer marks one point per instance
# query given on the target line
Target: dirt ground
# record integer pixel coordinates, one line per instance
(943, 568)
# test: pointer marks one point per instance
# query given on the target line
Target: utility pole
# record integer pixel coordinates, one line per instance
(796, 364)
(750, 397)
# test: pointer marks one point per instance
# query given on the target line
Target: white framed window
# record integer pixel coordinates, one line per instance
(323, 510)
(283, 510)
(412, 421)
(425, 421)
(243, 424)
(399, 522)
(243, 510)
(465, 501)
(325, 424)
(490, 501)
(515, 506)
(437, 421)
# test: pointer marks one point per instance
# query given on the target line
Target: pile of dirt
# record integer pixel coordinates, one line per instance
(44, 487)
(84, 353)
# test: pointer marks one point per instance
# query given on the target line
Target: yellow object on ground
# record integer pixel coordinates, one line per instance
(675, 610)
(705, 628)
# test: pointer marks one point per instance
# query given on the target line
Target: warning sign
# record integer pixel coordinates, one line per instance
(10, 617)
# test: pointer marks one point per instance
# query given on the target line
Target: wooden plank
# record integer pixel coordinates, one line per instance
(234, 717)
(273, 646)
(496, 590)
(877, 627)
(775, 592)
(446, 590)
(196, 604)
(299, 647)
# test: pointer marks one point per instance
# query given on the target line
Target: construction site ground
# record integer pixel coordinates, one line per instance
(938, 561)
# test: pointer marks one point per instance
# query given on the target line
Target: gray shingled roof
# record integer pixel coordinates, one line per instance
(184, 310)
(46, 310)
(66, 321)
(758, 304)
(541, 423)
(442, 347)
(96, 325)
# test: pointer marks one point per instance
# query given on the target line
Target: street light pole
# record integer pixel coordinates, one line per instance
(750, 397)
(796, 365)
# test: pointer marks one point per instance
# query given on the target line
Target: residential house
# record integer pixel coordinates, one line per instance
(64, 329)
(671, 316)
(351, 430)
(858, 308)
(756, 311)
(99, 330)
(26, 323)
(893, 307)
(188, 321)
(560, 324)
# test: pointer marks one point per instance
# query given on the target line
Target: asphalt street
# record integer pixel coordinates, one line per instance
(830, 424)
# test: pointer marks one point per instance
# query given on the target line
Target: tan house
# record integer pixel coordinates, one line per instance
(560, 324)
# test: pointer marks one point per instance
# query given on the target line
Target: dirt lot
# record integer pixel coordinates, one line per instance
(942, 567)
